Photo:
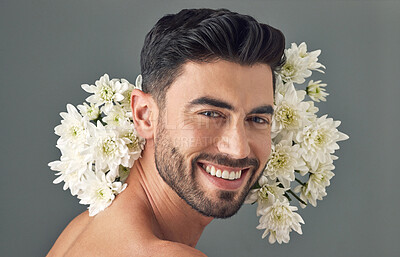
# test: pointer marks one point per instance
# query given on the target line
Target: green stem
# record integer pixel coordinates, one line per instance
(287, 196)
(298, 198)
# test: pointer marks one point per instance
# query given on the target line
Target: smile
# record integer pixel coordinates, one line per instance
(222, 173)
(224, 177)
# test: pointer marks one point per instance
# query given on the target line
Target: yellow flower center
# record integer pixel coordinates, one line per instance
(106, 93)
(75, 131)
(286, 115)
(109, 146)
(279, 159)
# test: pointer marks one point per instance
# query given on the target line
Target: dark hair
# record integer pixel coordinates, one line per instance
(205, 35)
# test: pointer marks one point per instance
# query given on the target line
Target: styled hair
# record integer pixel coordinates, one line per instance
(205, 35)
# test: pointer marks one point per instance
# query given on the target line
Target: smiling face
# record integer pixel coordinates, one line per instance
(213, 135)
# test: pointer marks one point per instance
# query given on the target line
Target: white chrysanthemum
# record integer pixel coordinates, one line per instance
(316, 90)
(279, 220)
(280, 86)
(295, 68)
(311, 57)
(138, 82)
(108, 150)
(319, 140)
(312, 110)
(117, 116)
(99, 192)
(75, 158)
(126, 102)
(71, 166)
(73, 128)
(270, 191)
(290, 112)
(135, 145)
(72, 180)
(285, 158)
(315, 188)
(105, 92)
(91, 111)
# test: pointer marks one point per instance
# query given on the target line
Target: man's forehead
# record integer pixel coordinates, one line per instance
(231, 82)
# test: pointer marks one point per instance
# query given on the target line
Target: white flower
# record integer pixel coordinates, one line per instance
(285, 158)
(295, 68)
(319, 140)
(91, 112)
(72, 180)
(281, 87)
(99, 192)
(290, 112)
(138, 82)
(311, 57)
(316, 90)
(117, 116)
(315, 188)
(299, 63)
(135, 145)
(279, 220)
(126, 102)
(72, 165)
(105, 92)
(73, 128)
(75, 158)
(312, 110)
(107, 149)
(270, 191)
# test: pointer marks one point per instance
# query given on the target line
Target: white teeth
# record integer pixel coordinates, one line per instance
(213, 172)
(231, 175)
(212, 169)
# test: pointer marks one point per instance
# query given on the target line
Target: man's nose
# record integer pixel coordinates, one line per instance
(234, 142)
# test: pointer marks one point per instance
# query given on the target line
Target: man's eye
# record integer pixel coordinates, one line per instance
(259, 120)
(211, 114)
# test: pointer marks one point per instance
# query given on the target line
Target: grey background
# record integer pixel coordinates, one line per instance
(49, 48)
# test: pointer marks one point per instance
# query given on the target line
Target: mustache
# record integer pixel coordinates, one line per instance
(226, 161)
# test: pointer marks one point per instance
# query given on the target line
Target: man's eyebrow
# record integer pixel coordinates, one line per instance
(265, 109)
(206, 100)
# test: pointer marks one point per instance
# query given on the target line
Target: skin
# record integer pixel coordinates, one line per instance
(149, 218)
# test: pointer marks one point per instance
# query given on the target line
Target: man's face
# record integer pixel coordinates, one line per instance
(213, 137)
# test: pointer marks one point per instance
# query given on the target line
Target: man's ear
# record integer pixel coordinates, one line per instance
(144, 112)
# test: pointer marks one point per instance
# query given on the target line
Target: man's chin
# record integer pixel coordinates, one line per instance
(224, 205)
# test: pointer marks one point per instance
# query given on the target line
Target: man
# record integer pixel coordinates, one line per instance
(205, 112)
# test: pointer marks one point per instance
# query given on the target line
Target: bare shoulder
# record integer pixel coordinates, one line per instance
(107, 235)
(167, 248)
(70, 234)
(129, 246)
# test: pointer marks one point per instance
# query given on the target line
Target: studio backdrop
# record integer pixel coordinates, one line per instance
(49, 48)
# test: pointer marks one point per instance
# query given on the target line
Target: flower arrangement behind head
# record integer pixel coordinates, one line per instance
(302, 148)
(99, 143)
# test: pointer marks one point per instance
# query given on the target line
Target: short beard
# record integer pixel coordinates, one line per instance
(171, 166)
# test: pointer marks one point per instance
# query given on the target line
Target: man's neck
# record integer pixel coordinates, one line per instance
(171, 217)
